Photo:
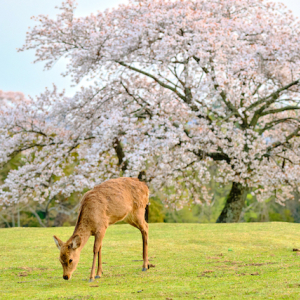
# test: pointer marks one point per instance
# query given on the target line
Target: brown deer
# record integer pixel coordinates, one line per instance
(112, 201)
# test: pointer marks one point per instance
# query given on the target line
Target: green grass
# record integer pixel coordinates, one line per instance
(192, 261)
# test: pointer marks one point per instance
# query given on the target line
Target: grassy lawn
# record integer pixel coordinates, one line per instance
(192, 261)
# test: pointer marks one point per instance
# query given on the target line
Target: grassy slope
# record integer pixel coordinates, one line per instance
(192, 261)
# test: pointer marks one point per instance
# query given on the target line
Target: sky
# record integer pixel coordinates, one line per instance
(17, 72)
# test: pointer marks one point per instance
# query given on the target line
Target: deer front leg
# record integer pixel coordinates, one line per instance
(92, 276)
(97, 251)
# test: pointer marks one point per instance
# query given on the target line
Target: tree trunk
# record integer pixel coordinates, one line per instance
(19, 223)
(234, 204)
(13, 218)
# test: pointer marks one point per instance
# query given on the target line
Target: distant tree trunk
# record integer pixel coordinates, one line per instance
(234, 204)
(19, 223)
(13, 219)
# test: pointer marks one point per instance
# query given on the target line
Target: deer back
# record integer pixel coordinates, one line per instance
(111, 202)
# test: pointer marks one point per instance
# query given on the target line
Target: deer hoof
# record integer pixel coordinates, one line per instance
(91, 280)
(144, 269)
(97, 276)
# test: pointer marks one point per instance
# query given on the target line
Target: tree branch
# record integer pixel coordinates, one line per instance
(275, 122)
(37, 217)
(277, 110)
(154, 78)
(5, 221)
(216, 156)
(278, 144)
(273, 97)
(222, 93)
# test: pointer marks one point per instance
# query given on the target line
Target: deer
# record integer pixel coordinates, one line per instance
(112, 201)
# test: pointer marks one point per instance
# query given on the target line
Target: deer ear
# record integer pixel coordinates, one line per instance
(76, 241)
(58, 242)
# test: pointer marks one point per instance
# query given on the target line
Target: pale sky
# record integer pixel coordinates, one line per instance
(17, 73)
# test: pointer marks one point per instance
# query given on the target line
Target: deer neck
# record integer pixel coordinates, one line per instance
(83, 232)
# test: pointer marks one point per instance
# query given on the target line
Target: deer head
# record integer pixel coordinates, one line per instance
(69, 254)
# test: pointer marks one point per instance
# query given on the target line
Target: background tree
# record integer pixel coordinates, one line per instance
(55, 210)
(177, 86)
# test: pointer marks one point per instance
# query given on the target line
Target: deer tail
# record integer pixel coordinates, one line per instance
(147, 212)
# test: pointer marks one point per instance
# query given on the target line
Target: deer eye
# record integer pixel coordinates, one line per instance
(70, 261)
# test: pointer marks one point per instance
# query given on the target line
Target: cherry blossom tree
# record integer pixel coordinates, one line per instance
(175, 86)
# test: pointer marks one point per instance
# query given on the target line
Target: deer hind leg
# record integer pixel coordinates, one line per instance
(99, 269)
(144, 231)
(137, 219)
(97, 252)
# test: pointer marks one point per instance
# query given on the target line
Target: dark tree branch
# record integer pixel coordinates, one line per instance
(155, 79)
(278, 110)
(273, 97)
(228, 104)
(146, 110)
(216, 156)
(271, 124)
(278, 144)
